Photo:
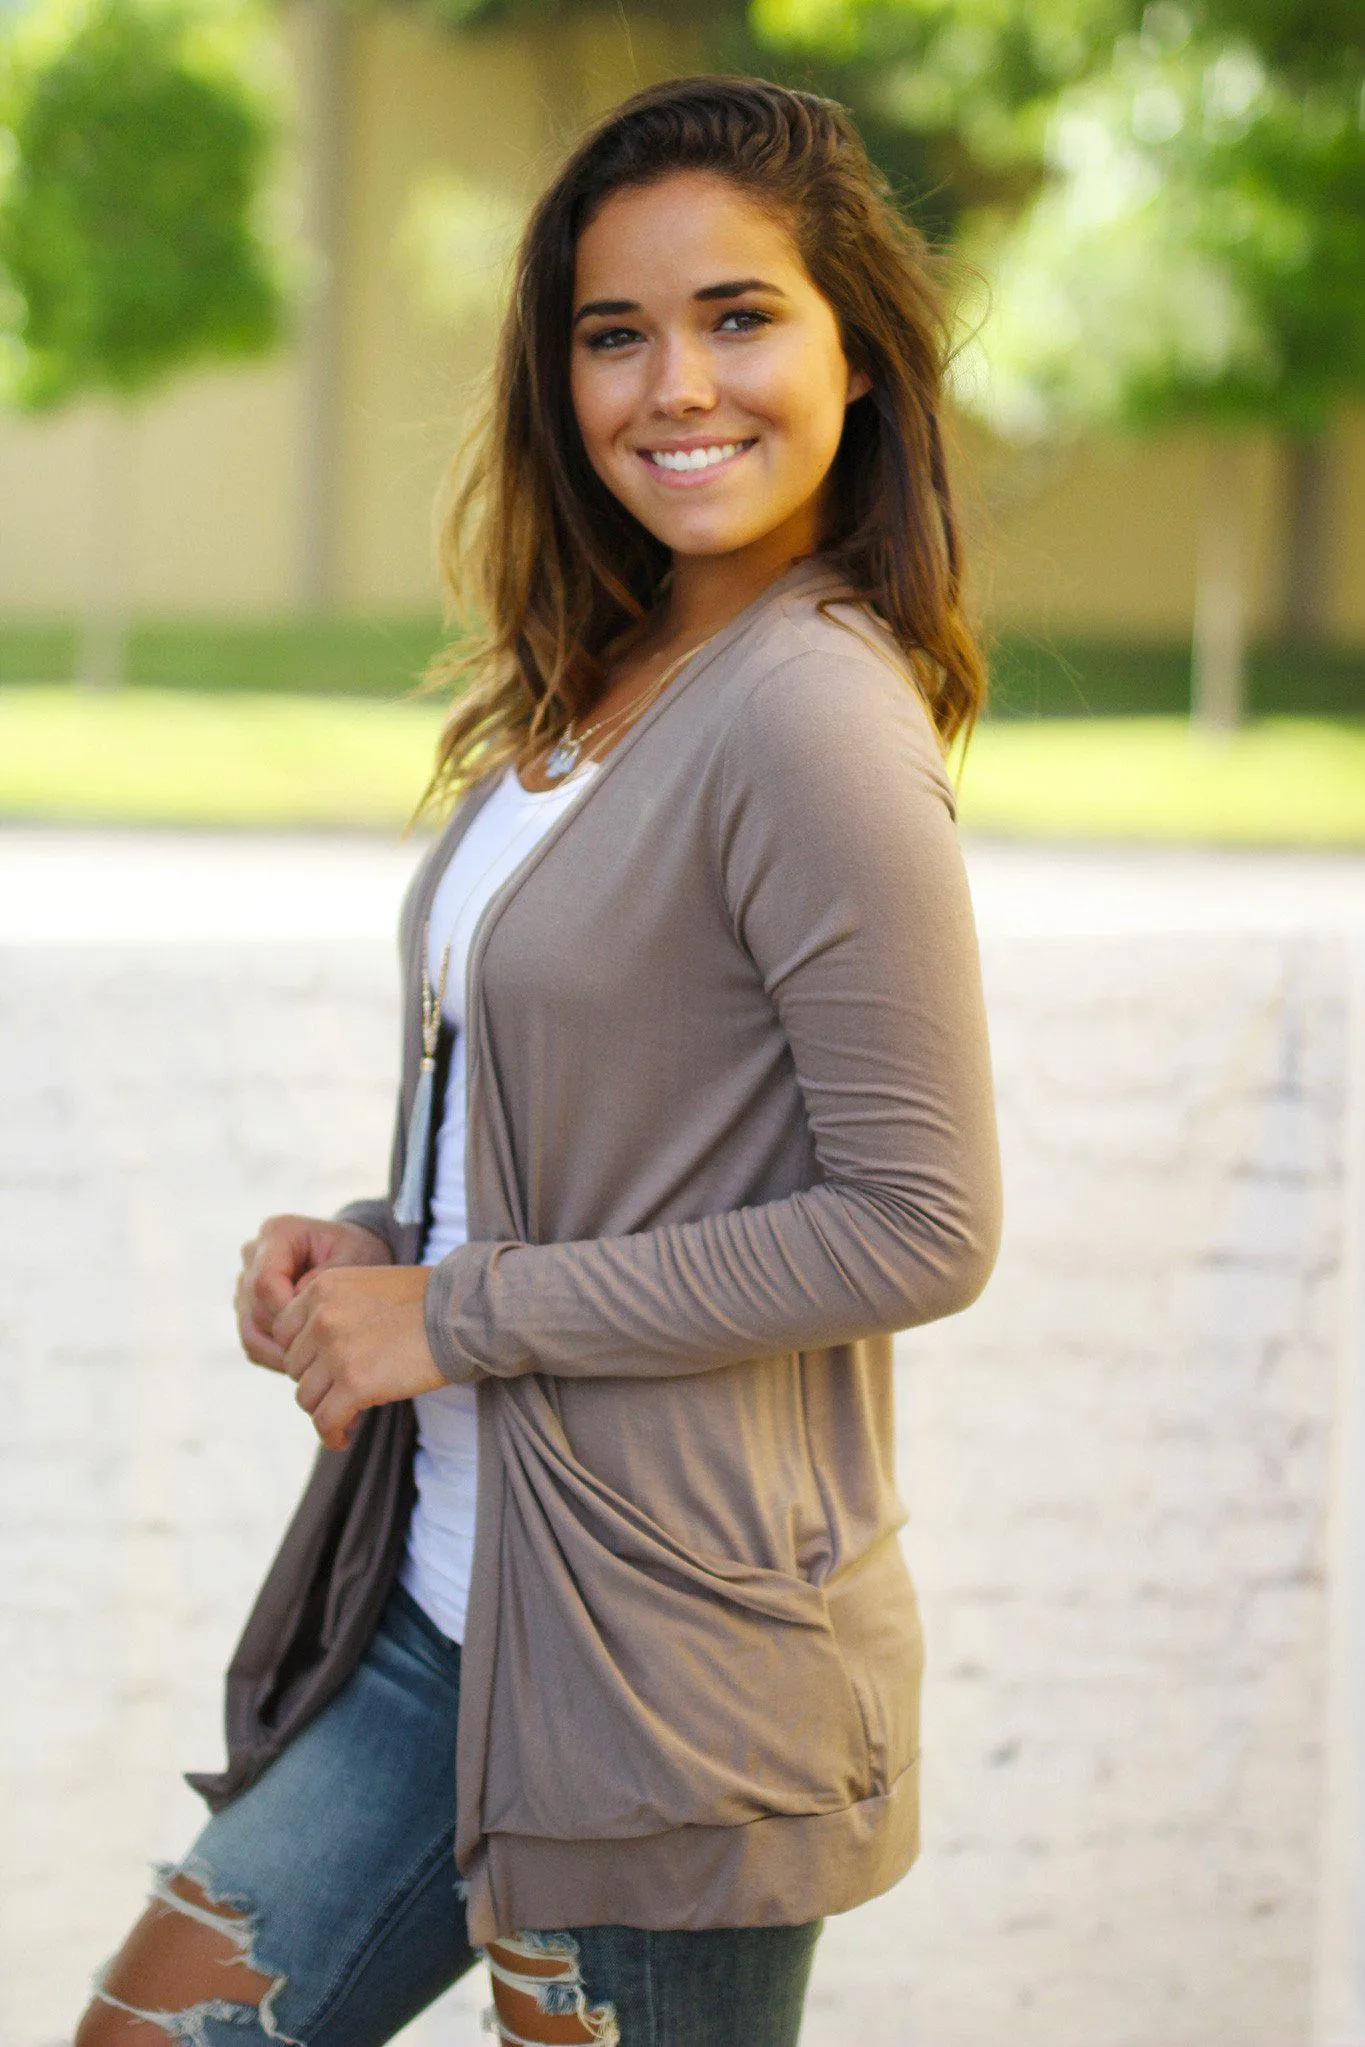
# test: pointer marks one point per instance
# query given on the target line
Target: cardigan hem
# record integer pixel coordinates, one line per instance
(781, 1871)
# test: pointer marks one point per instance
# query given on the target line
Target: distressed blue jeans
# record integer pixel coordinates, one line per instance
(340, 1860)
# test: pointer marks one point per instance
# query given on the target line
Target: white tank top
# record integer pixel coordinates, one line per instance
(440, 1545)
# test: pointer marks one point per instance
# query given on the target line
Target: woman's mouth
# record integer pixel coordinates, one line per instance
(682, 468)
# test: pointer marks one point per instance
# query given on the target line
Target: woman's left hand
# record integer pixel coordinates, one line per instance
(354, 1337)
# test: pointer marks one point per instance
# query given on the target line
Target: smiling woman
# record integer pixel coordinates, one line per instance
(725, 350)
(591, 1646)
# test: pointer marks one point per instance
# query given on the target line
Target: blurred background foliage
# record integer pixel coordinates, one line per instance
(1152, 215)
(129, 223)
(133, 242)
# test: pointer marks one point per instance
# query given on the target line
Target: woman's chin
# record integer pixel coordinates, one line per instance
(701, 534)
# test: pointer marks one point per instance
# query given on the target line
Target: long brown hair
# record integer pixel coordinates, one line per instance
(555, 570)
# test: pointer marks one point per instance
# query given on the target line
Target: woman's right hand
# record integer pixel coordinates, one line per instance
(283, 1252)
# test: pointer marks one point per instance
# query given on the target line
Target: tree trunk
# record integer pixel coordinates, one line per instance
(103, 656)
(1218, 692)
(1307, 539)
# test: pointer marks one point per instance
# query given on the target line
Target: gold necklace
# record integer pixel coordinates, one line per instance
(566, 754)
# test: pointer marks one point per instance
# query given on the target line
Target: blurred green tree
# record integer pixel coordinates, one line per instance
(1197, 256)
(990, 71)
(1188, 244)
(131, 244)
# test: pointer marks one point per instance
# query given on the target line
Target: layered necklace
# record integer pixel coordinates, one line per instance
(569, 749)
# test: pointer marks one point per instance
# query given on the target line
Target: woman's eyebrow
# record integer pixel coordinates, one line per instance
(739, 285)
(733, 288)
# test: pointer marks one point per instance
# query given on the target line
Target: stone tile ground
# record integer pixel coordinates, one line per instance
(1115, 1462)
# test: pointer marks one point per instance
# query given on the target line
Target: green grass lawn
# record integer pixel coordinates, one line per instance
(1278, 782)
(1036, 678)
(168, 756)
(163, 756)
(1032, 676)
(328, 656)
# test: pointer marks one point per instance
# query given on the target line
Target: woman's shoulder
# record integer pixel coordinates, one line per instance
(826, 640)
(826, 677)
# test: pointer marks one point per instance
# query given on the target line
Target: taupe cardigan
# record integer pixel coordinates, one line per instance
(730, 1125)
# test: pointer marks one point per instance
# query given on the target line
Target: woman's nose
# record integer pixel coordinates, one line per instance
(682, 378)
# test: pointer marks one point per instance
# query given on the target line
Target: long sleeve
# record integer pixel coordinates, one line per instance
(836, 853)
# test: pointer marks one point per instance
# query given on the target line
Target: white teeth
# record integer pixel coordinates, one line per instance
(694, 458)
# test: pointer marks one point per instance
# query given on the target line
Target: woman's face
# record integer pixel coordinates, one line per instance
(709, 380)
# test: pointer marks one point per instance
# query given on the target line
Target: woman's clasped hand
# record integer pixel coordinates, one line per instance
(323, 1302)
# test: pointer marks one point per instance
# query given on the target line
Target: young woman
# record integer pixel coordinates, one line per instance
(591, 1644)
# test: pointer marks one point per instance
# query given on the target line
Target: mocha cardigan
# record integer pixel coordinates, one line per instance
(730, 1125)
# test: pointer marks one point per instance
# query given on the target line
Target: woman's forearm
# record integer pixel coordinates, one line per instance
(821, 1267)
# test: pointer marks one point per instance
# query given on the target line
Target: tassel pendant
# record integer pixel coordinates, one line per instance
(410, 1203)
(564, 759)
(408, 1206)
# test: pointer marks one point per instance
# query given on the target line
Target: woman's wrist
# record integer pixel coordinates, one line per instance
(370, 1247)
(375, 1218)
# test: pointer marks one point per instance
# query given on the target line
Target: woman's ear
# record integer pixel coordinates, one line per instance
(859, 384)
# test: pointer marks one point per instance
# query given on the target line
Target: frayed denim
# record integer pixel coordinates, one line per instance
(339, 1864)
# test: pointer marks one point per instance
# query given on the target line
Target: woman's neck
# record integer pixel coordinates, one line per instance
(706, 591)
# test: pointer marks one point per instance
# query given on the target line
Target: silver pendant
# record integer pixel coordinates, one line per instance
(563, 760)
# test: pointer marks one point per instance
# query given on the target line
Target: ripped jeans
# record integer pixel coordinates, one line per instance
(340, 1860)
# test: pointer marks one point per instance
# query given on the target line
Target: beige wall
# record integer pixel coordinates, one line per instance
(1103, 538)
(209, 506)
(1100, 539)
(494, 109)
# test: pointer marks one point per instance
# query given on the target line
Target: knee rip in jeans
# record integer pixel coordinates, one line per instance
(162, 1981)
(538, 1995)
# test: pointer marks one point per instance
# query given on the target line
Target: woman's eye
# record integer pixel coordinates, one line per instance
(608, 337)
